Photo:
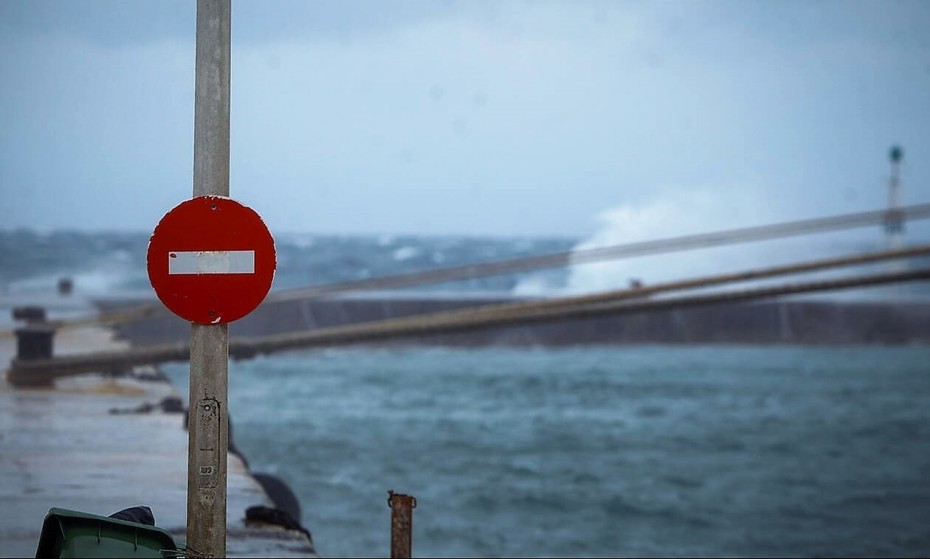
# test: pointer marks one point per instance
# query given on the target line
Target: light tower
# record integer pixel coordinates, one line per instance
(894, 220)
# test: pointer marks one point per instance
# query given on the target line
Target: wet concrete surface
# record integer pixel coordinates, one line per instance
(62, 447)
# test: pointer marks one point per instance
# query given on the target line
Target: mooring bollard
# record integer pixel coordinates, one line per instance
(33, 341)
(29, 314)
(401, 524)
(65, 286)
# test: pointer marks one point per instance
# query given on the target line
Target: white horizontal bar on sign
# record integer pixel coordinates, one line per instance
(199, 262)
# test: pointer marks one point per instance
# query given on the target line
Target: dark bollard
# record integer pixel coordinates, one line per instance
(29, 314)
(65, 286)
(32, 342)
(401, 524)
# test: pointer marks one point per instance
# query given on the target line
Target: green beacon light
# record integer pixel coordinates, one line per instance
(896, 154)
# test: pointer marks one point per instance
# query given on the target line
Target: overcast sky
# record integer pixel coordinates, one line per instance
(481, 118)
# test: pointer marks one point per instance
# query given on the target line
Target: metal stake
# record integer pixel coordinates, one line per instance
(401, 524)
(208, 419)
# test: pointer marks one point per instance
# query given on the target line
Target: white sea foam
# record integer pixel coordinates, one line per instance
(687, 214)
(534, 286)
(301, 240)
(91, 282)
(406, 253)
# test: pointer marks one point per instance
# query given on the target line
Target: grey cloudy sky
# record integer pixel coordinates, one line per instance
(483, 118)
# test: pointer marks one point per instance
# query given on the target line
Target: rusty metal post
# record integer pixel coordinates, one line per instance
(401, 524)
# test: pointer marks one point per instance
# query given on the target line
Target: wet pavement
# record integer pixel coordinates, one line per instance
(65, 447)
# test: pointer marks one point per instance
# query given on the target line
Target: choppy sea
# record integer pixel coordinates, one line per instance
(609, 451)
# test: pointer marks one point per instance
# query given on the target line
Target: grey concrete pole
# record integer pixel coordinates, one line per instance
(208, 419)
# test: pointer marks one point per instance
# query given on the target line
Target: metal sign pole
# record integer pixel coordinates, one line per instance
(209, 414)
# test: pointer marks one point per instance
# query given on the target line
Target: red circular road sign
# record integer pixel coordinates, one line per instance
(211, 260)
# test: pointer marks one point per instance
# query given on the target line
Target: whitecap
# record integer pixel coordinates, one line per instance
(406, 253)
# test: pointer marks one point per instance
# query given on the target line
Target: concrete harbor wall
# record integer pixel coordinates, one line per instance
(808, 322)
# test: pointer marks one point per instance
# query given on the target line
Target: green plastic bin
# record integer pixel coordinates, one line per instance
(70, 533)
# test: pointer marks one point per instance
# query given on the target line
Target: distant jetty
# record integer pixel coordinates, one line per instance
(799, 321)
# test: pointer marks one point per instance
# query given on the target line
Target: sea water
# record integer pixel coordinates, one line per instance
(596, 451)
(641, 451)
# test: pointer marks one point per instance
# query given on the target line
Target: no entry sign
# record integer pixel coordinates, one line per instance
(211, 260)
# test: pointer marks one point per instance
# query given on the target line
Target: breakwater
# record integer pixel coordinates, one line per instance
(799, 321)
